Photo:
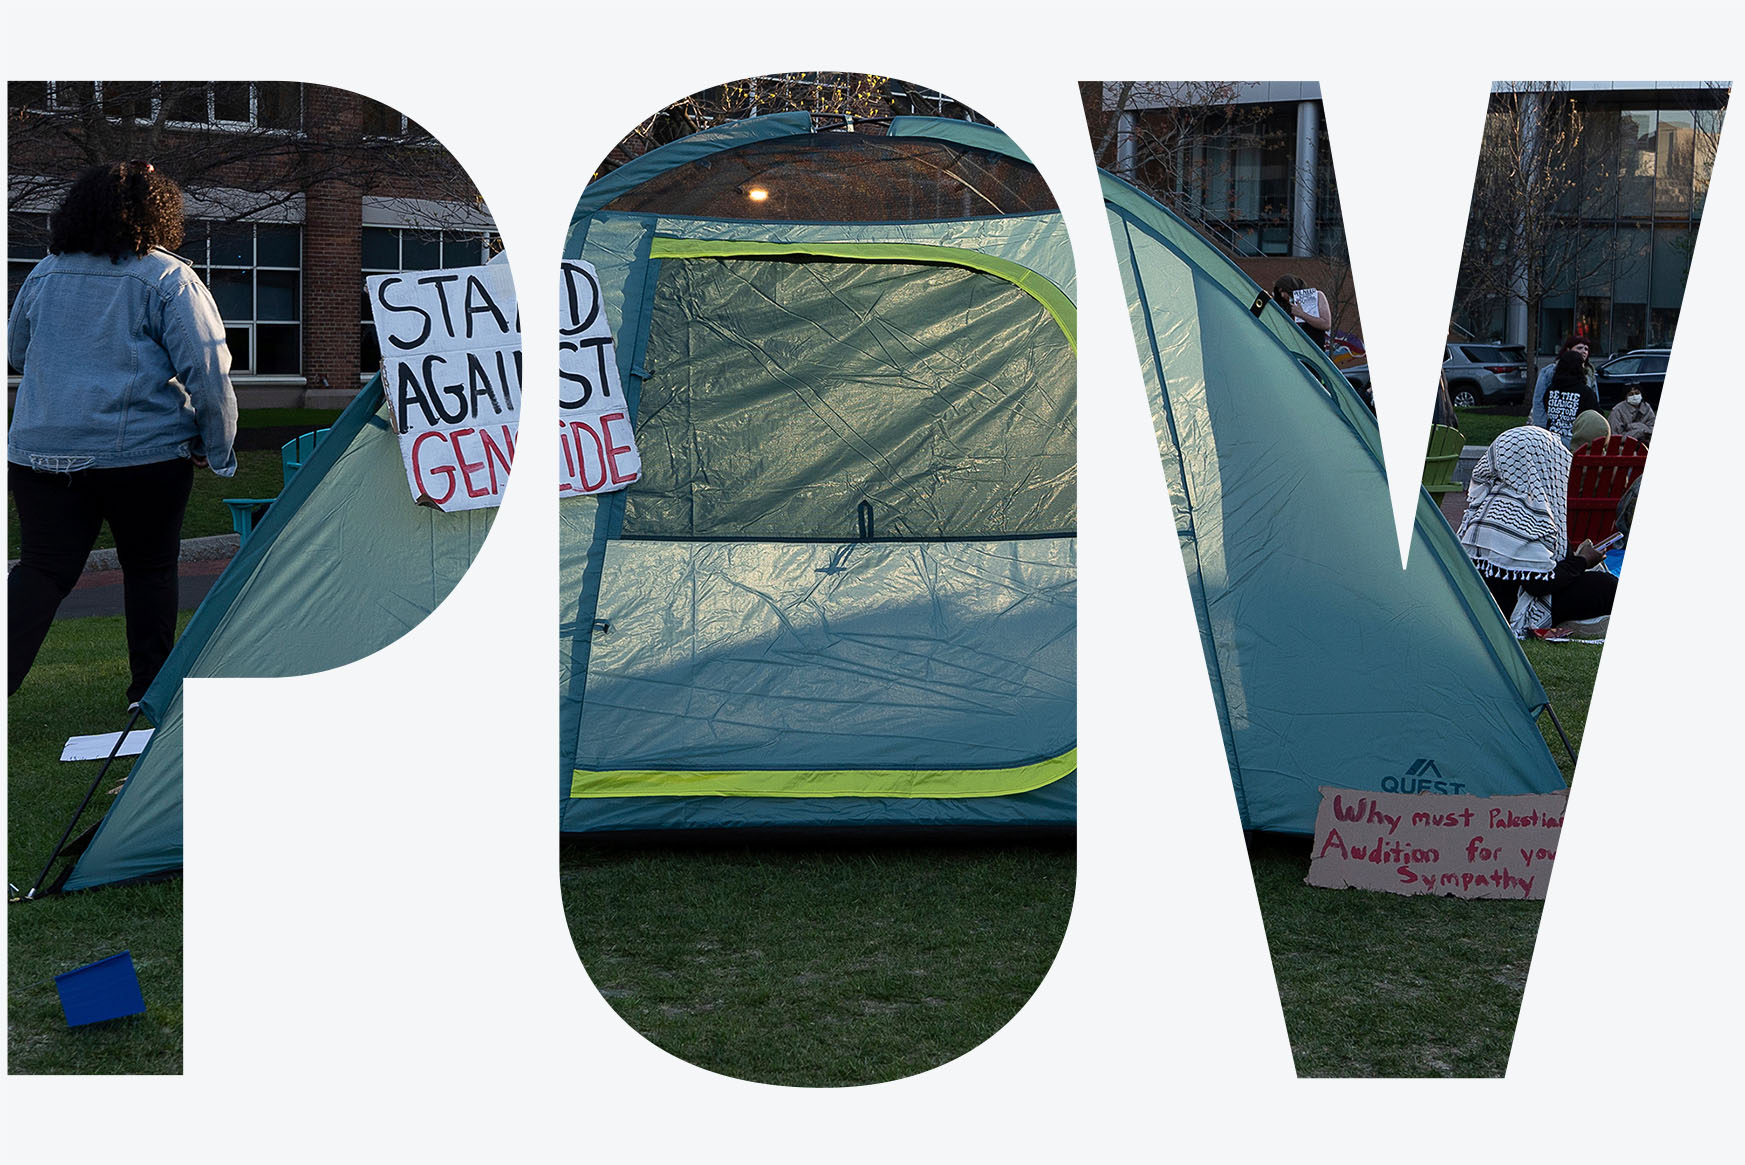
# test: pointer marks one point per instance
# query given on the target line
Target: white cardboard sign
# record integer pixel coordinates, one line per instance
(598, 452)
(1429, 843)
(451, 372)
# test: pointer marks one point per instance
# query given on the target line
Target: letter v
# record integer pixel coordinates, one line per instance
(1405, 172)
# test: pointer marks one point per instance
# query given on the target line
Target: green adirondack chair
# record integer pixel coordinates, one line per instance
(1441, 460)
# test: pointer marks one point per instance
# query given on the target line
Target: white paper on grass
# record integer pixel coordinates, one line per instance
(100, 746)
(452, 375)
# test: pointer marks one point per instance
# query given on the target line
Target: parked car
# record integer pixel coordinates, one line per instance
(1643, 368)
(1477, 374)
(1485, 374)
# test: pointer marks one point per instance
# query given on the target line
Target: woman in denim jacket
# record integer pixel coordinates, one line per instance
(125, 391)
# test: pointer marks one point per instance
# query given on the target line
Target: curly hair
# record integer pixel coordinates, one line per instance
(116, 209)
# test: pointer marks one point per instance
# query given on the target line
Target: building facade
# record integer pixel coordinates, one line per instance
(294, 193)
(1250, 165)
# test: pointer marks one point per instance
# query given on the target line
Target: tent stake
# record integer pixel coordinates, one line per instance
(89, 793)
(1566, 745)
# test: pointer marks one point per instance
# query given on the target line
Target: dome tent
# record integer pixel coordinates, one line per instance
(843, 592)
(330, 575)
(1330, 665)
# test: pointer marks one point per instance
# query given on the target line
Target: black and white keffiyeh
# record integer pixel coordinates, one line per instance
(1517, 515)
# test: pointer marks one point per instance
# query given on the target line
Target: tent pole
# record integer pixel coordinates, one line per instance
(1566, 745)
(89, 793)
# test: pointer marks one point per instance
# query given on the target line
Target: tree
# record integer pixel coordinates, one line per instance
(1180, 142)
(857, 99)
(1183, 142)
(1537, 172)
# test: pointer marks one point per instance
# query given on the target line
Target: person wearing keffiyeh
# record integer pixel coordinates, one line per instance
(1515, 533)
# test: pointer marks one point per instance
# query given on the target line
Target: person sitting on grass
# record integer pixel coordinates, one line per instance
(1515, 528)
(1633, 417)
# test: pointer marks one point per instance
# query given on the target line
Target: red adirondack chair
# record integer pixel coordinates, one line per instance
(1599, 474)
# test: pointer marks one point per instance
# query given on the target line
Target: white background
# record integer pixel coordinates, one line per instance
(377, 964)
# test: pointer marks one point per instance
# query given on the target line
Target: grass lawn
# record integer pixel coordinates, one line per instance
(1482, 426)
(78, 687)
(820, 965)
(1379, 984)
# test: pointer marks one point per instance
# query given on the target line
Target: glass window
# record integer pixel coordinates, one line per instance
(1634, 254)
(1636, 143)
(185, 101)
(254, 273)
(1599, 181)
(1672, 251)
(420, 252)
(1662, 322)
(234, 292)
(381, 249)
(276, 295)
(279, 246)
(279, 104)
(1707, 124)
(258, 104)
(381, 120)
(193, 247)
(232, 246)
(1674, 161)
(74, 95)
(129, 100)
(237, 340)
(1629, 325)
(277, 349)
(230, 101)
(391, 249)
(462, 250)
(27, 94)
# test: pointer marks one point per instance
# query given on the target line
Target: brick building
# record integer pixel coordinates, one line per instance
(293, 194)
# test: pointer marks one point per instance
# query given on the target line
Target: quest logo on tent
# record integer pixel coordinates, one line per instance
(1422, 777)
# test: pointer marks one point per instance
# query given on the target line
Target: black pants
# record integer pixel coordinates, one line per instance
(59, 518)
(1587, 594)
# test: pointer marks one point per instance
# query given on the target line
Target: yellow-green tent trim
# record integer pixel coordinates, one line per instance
(1052, 298)
(826, 783)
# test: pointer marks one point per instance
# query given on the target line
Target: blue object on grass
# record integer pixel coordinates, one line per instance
(106, 989)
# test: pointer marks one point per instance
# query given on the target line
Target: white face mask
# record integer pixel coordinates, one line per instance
(1634, 398)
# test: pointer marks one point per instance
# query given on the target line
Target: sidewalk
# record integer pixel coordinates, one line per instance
(98, 591)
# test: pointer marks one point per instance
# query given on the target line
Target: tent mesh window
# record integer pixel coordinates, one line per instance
(808, 398)
(844, 177)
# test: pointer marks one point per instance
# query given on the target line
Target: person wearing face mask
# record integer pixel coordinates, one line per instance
(1633, 417)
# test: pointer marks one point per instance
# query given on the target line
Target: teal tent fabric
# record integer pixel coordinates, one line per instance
(344, 564)
(1330, 665)
(852, 556)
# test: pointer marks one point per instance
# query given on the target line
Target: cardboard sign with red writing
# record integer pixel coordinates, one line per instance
(451, 372)
(598, 452)
(1426, 843)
